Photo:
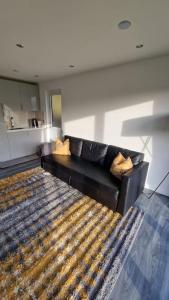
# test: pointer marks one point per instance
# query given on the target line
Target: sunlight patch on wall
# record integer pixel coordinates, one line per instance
(83, 127)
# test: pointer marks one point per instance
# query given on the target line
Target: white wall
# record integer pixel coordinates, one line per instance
(126, 105)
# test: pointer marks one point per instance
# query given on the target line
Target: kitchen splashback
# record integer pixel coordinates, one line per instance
(20, 119)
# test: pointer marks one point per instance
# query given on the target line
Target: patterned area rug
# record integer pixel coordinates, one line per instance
(56, 243)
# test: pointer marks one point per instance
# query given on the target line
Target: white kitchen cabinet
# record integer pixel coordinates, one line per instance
(19, 96)
(29, 95)
(24, 90)
(35, 101)
(18, 144)
(9, 94)
(23, 143)
(15, 144)
(4, 146)
(2, 124)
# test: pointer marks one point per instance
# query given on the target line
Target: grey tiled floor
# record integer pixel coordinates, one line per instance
(145, 274)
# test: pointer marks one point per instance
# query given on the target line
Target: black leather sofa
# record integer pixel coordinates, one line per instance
(87, 169)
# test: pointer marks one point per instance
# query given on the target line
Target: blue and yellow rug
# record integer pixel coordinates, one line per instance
(56, 243)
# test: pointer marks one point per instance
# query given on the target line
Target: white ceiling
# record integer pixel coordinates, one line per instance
(57, 33)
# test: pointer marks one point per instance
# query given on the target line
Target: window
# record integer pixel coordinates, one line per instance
(56, 110)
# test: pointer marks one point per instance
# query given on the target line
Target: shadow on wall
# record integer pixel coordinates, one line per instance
(152, 132)
(150, 125)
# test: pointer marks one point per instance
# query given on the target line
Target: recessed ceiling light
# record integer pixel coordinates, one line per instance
(36, 76)
(19, 45)
(139, 46)
(71, 66)
(15, 70)
(125, 24)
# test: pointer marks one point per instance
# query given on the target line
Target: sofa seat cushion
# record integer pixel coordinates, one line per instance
(86, 171)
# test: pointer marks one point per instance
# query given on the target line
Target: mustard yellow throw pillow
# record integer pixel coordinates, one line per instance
(62, 148)
(121, 168)
(118, 159)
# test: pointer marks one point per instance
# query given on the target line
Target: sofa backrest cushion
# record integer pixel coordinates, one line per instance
(100, 153)
(113, 151)
(75, 145)
(94, 152)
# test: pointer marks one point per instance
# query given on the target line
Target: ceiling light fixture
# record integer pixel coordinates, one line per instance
(71, 66)
(19, 45)
(125, 24)
(139, 46)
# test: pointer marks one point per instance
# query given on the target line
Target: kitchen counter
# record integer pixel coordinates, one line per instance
(25, 129)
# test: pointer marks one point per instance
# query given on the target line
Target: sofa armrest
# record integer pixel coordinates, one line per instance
(132, 186)
(45, 149)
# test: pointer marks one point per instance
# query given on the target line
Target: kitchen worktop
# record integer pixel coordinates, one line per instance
(25, 129)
